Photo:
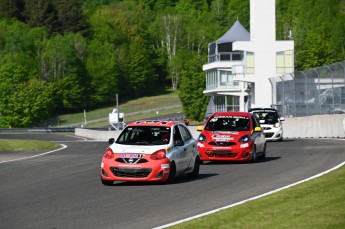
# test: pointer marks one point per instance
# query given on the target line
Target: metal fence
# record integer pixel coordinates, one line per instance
(314, 91)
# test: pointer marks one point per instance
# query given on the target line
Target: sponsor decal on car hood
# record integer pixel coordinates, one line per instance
(225, 136)
(139, 149)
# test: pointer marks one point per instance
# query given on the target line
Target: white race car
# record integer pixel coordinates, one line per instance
(271, 123)
(150, 150)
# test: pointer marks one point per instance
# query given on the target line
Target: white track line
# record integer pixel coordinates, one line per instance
(247, 200)
(37, 155)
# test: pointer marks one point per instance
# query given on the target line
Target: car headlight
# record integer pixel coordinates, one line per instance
(108, 154)
(160, 154)
(245, 138)
(277, 125)
(202, 138)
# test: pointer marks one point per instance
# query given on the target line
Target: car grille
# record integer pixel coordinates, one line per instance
(131, 172)
(269, 135)
(131, 160)
(222, 154)
(222, 143)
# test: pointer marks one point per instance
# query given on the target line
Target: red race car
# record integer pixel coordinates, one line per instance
(231, 136)
(150, 150)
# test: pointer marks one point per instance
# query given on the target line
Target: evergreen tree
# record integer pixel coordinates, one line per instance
(70, 17)
(39, 13)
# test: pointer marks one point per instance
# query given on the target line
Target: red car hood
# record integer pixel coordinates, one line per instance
(224, 136)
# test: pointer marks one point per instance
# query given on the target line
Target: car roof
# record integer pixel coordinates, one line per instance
(231, 113)
(263, 109)
(160, 123)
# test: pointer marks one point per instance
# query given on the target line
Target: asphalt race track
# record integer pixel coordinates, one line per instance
(63, 189)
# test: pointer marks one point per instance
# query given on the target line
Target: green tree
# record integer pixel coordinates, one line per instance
(70, 17)
(11, 8)
(102, 65)
(141, 76)
(28, 104)
(192, 85)
(39, 13)
(62, 66)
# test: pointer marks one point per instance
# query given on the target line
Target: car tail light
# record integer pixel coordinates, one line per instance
(109, 154)
(160, 154)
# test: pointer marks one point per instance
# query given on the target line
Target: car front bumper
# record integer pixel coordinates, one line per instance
(239, 153)
(153, 170)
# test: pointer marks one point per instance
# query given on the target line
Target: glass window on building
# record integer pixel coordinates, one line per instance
(250, 67)
(232, 103)
(227, 79)
(219, 102)
(284, 62)
(211, 80)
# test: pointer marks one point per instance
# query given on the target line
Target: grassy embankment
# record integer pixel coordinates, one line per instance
(26, 145)
(145, 103)
(318, 203)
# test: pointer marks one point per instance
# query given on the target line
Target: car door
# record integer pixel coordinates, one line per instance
(183, 148)
(259, 137)
(190, 146)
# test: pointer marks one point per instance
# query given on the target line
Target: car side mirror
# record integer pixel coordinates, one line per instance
(111, 141)
(179, 143)
(199, 128)
(262, 121)
(282, 119)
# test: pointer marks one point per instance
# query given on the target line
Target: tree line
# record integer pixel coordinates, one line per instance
(62, 56)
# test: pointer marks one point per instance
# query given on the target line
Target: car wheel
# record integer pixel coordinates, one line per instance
(263, 154)
(253, 158)
(172, 173)
(196, 169)
(107, 182)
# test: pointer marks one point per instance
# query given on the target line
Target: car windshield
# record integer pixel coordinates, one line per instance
(228, 123)
(144, 135)
(269, 117)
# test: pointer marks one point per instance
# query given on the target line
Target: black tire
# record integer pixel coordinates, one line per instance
(263, 154)
(172, 173)
(107, 182)
(254, 156)
(196, 169)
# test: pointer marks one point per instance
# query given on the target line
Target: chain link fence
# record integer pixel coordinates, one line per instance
(314, 91)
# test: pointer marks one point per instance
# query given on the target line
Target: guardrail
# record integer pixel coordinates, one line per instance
(16, 130)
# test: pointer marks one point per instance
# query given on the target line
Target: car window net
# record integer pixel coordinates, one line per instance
(267, 117)
(144, 135)
(229, 123)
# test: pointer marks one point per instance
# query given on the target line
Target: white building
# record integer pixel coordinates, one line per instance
(240, 63)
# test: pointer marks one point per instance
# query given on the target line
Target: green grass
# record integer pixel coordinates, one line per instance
(319, 203)
(25, 145)
(145, 103)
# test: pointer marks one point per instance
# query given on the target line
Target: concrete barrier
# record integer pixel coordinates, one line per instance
(104, 135)
(317, 126)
